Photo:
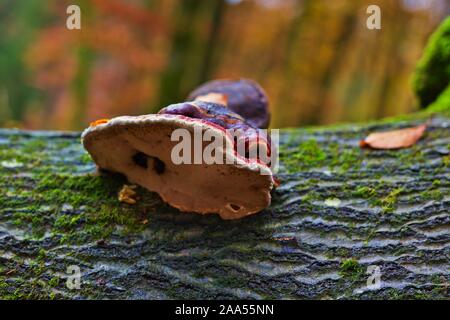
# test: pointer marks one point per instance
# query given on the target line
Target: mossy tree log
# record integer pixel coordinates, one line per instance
(338, 210)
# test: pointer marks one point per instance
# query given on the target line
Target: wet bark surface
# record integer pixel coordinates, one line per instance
(338, 212)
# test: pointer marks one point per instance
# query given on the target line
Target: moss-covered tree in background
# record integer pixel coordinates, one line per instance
(432, 75)
(442, 102)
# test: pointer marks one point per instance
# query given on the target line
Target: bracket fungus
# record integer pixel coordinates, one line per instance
(142, 148)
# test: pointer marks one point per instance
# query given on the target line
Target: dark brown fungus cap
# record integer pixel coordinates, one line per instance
(244, 97)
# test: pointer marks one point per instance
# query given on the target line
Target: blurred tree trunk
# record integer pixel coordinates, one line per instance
(85, 57)
(392, 66)
(191, 54)
(303, 12)
(80, 85)
(212, 45)
(347, 23)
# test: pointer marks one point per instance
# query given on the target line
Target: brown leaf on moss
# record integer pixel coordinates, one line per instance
(396, 139)
(127, 194)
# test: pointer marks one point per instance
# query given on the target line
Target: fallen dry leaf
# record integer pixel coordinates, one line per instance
(127, 194)
(395, 139)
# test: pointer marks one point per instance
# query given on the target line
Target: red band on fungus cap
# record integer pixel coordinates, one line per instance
(219, 115)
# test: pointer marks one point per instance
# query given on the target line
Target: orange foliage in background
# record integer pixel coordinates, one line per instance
(316, 59)
(123, 63)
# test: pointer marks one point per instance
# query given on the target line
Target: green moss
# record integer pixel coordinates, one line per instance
(99, 223)
(380, 194)
(350, 268)
(53, 282)
(23, 288)
(432, 195)
(31, 219)
(389, 203)
(310, 154)
(432, 74)
(63, 144)
(343, 252)
(86, 158)
(446, 161)
(349, 265)
(422, 295)
(311, 196)
(66, 222)
(365, 192)
(19, 156)
(76, 190)
(442, 103)
(13, 139)
(401, 250)
(34, 145)
(41, 255)
(436, 183)
(76, 207)
(344, 158)
(3, 284)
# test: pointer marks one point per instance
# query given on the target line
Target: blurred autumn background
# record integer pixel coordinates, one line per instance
(315, 58)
